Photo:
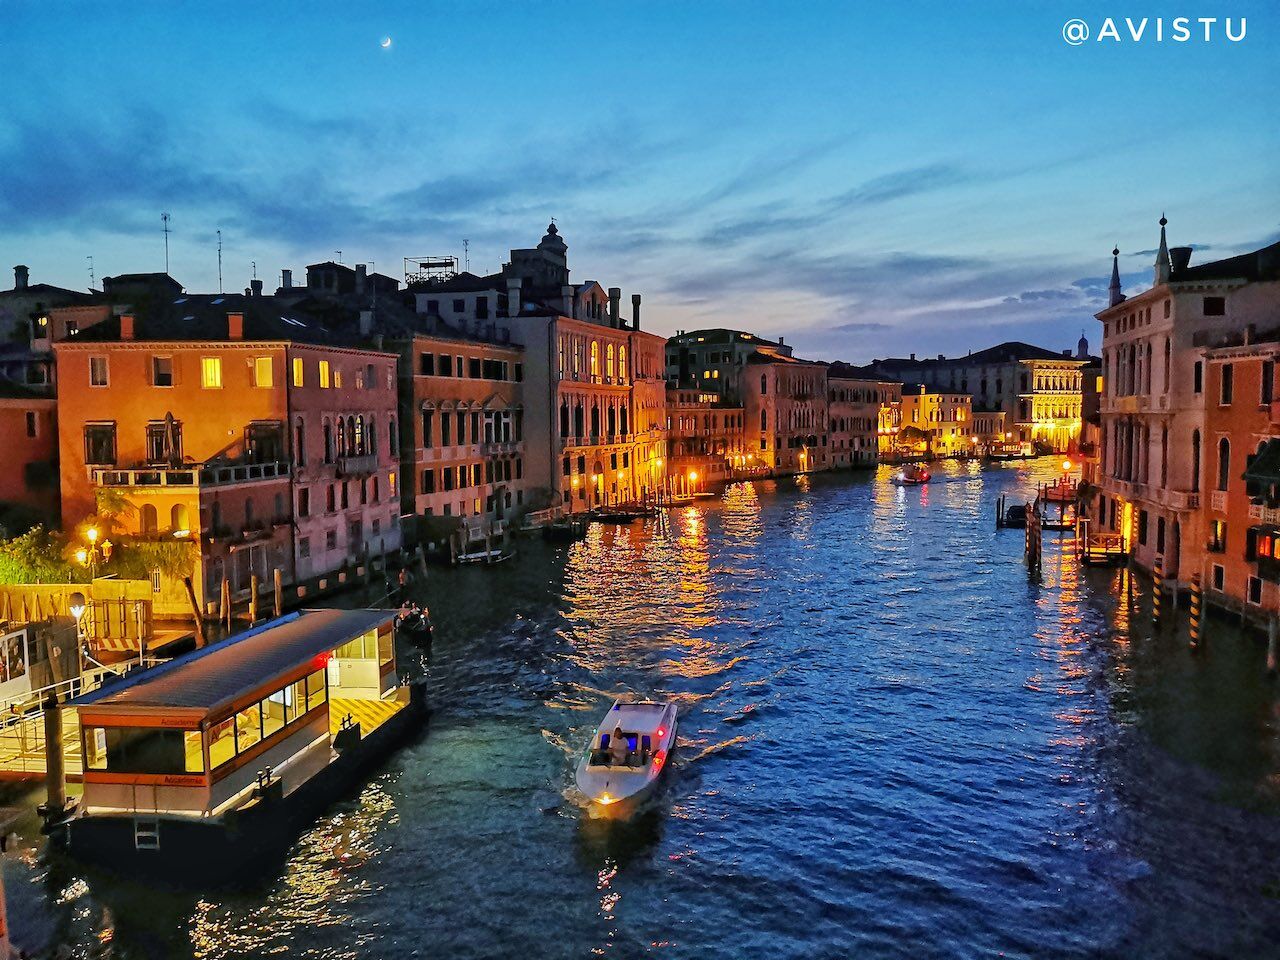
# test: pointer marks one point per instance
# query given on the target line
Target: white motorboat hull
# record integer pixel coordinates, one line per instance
(616, 792)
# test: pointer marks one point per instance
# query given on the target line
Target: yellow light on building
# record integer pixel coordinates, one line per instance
(92, 535)
(693, 474)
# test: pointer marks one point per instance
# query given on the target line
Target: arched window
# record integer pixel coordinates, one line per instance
(1168, 362)
(764, 384)
(622, 365)
(764, 420)
(178, 518)
(612, 421)
(393, 438)
(1195, 462)
(147, 521)
(342, 437)
(1224, 462)
(624, 421)
(371, 436)
(595, 360)
(595, 421)
(328, 442)
(352, 449)
(357, 437)
(564, 418)
(609, 363)
(577, 421)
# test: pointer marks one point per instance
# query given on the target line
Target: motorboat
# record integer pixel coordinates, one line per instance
(913, 474)
(617, 775)
(414, 624)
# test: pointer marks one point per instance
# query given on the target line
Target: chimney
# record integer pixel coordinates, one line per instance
(20, 277)
(913, 356)
(366, 322)
(256, 287)
(570, 300)
(941, 357)
(1067, 354)
(513, 296)
(235, 326)
(126, 326)
(1180, 257)
(286, 279)
(635, 311)
(360, 277)
(615, 296)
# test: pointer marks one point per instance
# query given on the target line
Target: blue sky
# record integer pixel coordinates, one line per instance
(864, 179)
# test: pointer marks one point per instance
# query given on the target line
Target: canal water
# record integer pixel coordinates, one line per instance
(891, 745)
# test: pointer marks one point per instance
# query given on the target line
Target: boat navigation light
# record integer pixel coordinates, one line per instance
(662, 731)
(605, 799)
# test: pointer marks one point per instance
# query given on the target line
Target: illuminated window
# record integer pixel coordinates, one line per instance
(324, 374)
(298, 378)
(211, 373)
(262, 372)
(337, 379)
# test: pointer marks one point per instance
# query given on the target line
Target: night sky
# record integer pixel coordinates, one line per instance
(863, 180)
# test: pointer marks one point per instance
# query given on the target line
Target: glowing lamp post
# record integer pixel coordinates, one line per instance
(76, 604)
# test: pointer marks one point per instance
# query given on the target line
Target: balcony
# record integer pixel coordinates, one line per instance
(495, 448)
(1264, 514)
(358, 466)
(195, 475)
(598, 440)
(1181, 499)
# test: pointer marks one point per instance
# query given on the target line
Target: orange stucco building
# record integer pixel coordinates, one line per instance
(213, 420)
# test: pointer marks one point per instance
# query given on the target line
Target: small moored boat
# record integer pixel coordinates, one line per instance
(414, 624)
(627, 754)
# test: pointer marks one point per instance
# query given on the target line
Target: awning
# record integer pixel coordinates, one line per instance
(1265, 467)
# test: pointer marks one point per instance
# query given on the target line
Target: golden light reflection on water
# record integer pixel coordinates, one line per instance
(320, 888)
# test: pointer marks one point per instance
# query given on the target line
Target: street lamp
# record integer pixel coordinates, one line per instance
(76, 604)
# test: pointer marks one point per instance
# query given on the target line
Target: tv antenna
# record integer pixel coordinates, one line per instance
(466, 255)
(337, 255)
(219, 261)
(254, 264)
(164, 217)
(92, 280)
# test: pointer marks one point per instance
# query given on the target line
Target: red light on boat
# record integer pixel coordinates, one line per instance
(321, 660)
(662, 732)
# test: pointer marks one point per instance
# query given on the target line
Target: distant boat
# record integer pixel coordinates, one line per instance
(414, 624)
(495, 555)
(1016, 516)
(565, 529)
(913, 474)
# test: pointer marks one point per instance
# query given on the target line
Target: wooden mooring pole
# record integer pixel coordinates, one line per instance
(1157, 590)
(279, 592)
(195, 612)
(253, 599)
(1196, 601)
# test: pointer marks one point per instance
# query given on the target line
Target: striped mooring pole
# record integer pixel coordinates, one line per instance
(1195, 612)
(1157, 591)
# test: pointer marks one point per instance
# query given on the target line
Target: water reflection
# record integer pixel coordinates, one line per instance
(891, 744)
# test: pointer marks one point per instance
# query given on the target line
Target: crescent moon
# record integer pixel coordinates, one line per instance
(386, 42)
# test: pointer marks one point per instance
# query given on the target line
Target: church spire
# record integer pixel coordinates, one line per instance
(1115, 295)
(1162, 255)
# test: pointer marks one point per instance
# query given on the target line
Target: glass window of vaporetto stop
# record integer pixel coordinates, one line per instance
(253, 701)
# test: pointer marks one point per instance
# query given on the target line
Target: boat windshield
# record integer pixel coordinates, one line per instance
(633, 751)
